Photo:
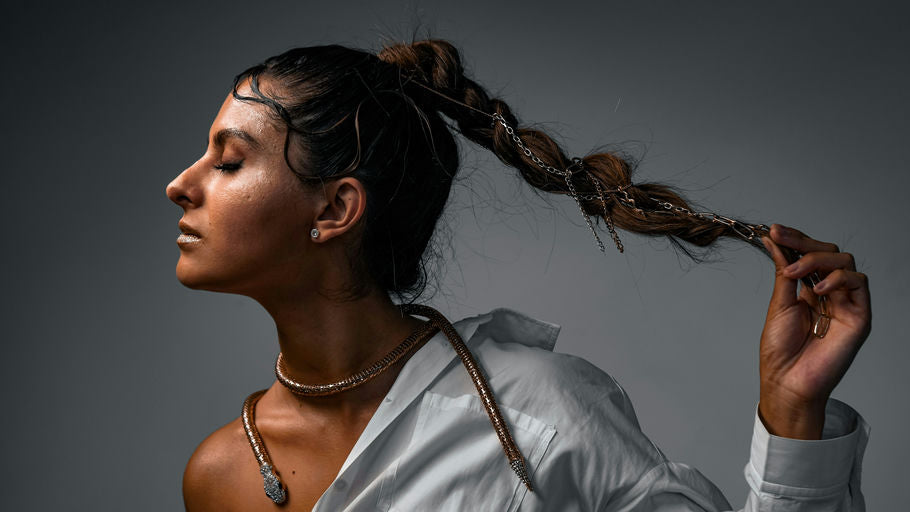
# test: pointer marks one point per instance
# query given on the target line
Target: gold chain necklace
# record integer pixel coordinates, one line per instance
(272, 484)
(423, 332)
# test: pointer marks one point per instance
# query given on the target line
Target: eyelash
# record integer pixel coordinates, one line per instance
(227, 168)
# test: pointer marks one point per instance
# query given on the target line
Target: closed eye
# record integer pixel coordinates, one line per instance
(228, 167)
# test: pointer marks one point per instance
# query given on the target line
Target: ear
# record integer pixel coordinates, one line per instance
(345, 201)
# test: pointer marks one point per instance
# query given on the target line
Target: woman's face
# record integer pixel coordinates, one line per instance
(251, 213)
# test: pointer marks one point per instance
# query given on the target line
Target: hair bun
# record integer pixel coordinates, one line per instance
(432, 62)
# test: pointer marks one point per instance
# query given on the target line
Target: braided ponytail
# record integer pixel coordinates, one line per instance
(434, 76)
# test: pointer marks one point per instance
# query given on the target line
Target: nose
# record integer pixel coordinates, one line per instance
(183, 190)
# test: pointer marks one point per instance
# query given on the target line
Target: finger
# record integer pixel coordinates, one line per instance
(805, 293)
(848, 295)
(784, 293)
(820, 261)
(855, 283)
(796, 239)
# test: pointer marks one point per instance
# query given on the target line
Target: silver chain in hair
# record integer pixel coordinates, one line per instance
(746, 231)
(576, 167)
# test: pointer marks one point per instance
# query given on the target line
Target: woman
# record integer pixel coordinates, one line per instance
(326, 171)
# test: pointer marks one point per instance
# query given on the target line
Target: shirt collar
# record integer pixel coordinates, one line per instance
(503, 325)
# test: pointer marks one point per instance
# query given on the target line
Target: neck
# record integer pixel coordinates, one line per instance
(324, 341)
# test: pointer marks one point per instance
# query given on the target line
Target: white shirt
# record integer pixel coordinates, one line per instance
(430, 445)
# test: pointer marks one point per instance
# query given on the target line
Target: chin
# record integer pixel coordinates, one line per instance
(194, 277)
(191, 279)
(198, 277)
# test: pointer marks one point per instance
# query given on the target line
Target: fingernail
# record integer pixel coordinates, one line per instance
(820, 287)
(792, 268)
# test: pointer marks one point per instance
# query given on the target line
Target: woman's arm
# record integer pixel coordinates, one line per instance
(807, 449)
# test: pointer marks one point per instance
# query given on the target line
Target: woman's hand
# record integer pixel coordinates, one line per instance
(799, 370)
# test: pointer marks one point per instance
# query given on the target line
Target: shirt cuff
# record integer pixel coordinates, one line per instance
(809, 468)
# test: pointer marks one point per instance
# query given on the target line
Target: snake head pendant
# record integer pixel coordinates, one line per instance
(273, 487)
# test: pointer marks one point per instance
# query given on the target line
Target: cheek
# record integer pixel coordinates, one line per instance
(256, 219)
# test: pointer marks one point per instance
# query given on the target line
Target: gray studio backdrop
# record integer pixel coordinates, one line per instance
(777, 112)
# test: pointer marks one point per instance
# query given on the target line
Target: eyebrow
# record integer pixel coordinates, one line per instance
(222, 136)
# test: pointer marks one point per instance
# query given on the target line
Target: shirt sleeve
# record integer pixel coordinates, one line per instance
(786, 475)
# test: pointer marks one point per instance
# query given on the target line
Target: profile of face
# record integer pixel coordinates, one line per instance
(251, 213)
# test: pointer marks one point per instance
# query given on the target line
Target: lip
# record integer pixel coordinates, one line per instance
(186, 239)
(187, 229)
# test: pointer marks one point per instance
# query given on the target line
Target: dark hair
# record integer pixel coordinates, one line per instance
(377, 118)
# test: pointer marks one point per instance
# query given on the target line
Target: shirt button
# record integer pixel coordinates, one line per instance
(340, 485)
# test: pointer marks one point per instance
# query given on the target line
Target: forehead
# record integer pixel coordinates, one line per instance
(249, 117)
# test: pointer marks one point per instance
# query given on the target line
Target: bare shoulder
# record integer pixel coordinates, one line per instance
(213, 468)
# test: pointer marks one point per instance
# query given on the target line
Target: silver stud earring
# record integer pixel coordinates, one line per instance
(314, 233)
